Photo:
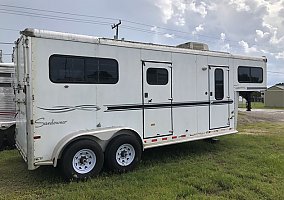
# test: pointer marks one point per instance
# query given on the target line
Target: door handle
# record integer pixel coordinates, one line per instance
(150, 100)
(170, 99)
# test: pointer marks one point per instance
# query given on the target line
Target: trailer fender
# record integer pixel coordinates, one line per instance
(101, 136)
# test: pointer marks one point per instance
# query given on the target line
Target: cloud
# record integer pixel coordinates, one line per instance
(154, 29)
(178, 9)
(198, 29)
(251, 27)
(275, 39)
(261, 35)
(280, 55)
(223, 45)
(226, 47)
(223, 37)
(240, 5)
(180, 21)
(246, 47)
(200, 9)
(167, 35)
(166, 8)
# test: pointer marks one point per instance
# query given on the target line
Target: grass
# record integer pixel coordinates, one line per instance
(258, 105)
(247, 165)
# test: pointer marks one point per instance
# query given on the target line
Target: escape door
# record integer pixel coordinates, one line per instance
(219, 97)
(157, 99)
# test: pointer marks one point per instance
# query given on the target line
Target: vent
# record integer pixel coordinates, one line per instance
(194, 45)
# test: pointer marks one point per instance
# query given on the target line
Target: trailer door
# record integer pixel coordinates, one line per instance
(157, 99)
(219, 97)
(20, 55)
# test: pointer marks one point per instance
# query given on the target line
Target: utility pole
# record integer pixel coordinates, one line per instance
(116, 27)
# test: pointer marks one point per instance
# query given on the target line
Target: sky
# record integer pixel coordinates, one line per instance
(245, 27)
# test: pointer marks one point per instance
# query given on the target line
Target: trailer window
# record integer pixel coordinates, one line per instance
(8, 75)
(219, 84)
(157, 76)
(5, 85)
(84, 70)
(250, 74)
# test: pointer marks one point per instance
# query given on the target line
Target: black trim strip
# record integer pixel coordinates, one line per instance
(256, 88)
(219, 127)
(220, 66)
(222, 102)
(158, 136)
(155, 61)
(163, 105)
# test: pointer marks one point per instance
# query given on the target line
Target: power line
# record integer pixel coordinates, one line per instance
(95, 22)
(109, 18)
(9, 29)
(70, 19)
(29, 14)
(6, 43)
(58, 12)
(275, 72)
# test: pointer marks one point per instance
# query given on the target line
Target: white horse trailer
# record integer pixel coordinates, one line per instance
(7, 104)
(85, 100)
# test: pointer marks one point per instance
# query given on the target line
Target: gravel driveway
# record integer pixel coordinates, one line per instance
(260, 115)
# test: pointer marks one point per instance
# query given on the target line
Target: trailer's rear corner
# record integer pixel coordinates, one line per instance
(23, 133)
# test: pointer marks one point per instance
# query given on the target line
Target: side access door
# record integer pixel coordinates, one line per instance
(219, 97)
(23, 97)
(157, 99)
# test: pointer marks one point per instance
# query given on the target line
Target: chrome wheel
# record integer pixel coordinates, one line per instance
(125, 154)
(84, 161)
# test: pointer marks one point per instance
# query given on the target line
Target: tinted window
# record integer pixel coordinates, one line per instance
(5, 75)
(5, 85)
(250, 75)
(244, 74)
(157, 76)
(256, 75)
(75, 69)
(219, 84)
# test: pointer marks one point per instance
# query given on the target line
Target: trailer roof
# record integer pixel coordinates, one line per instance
(131, 44)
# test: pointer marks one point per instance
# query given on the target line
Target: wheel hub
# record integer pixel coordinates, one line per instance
(84, 161)
(125, 154)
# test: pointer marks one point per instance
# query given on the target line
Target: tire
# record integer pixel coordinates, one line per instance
(11, 136)
(123, 153)
(82, 159)
(1, 140)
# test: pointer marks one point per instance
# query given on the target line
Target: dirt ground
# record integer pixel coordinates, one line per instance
(260, 115)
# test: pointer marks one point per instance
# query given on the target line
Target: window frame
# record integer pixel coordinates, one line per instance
(250, 76)
(85, 58)
(215, 84)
